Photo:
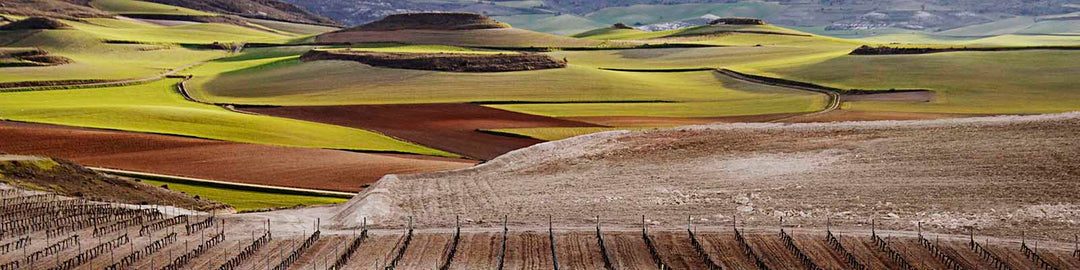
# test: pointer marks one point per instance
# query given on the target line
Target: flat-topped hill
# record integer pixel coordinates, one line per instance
(455, 62)
(431, 21)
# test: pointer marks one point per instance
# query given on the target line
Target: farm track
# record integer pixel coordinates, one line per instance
(833, 102)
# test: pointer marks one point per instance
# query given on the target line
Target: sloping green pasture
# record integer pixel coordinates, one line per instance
(247, 200)
(157, 108)
(1037, 81)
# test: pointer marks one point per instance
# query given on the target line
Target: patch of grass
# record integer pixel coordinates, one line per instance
(694, 57)
(558, 133)
(295, 28)
(247, 200)
(141, 7)
(288, 81)
(157, 108)
(97, 60)
(1037, 81)
(202, 33)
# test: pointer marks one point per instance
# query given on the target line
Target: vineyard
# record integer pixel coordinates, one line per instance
(44, 231)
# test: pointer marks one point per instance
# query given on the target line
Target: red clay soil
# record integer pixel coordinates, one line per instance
(653, 121)
(215, 160)
(449, 127)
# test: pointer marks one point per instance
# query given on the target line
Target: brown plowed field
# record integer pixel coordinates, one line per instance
(723, 249)
(912, 251)
(449, 127)
(527, 250)
(846, 115)
(676, 251)
(478, 251)
(962, 253)
(651, 121)
(215, 160)
(322, 252)
(628, 251)
(578, 250)
(814, 246)
(772, 250)
(374, 250)
(426, 251)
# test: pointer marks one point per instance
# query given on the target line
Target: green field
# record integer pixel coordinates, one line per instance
(565, 24)
(1039, 81)
(157, 108)
(247, 200)
(141, 7)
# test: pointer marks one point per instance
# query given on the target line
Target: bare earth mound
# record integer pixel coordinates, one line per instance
(456, 62)
(450, 127)
(737, 21)
(30, 57)
(997, 175)
(215, 160)
(431, 21)
(35, 23)
(69, 179)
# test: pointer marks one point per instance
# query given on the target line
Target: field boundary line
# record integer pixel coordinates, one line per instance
(832, 93)
(123, 82)
(224, 184)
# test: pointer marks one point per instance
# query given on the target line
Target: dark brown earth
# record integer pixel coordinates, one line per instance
(431, 21)
(449, 127)
(70, 179)
(886, 50)
(34, 23)
(737, 21)
(216, 160)
(456, 62)
(31, 57)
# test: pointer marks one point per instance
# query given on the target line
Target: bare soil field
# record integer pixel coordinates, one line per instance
(453, 62)
(909, 96)
(448, 127)
(999, 176)
(649, 121)
(216, 160)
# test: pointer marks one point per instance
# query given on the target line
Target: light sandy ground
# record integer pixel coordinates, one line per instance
(1001, 176)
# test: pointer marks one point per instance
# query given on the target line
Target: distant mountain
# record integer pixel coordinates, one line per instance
(261, 9)
(839, 15)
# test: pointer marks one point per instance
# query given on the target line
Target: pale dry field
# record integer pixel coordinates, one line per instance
(1002, 176)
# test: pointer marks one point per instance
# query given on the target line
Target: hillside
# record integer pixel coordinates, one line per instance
(262, 9)
(69, 179)
(458, 29)
(898, 172)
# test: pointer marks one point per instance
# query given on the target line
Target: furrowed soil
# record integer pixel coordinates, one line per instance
(448, 127)
(997, 175)
(215, 160)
